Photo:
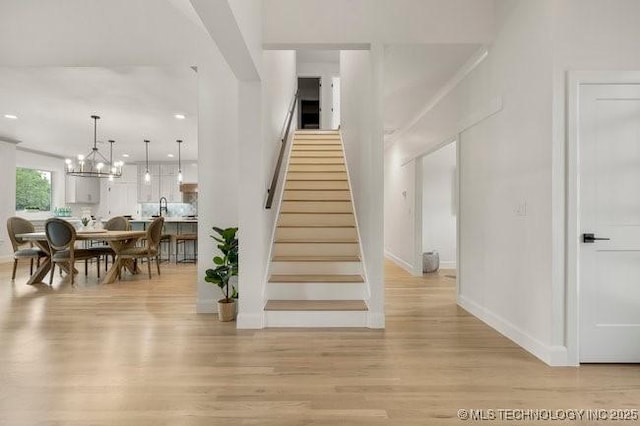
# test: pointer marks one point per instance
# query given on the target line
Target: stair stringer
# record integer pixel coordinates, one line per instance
(355, 217)
(274, 227)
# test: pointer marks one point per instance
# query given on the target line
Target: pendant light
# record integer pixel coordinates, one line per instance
(179, 161)
(93, 164)
(147, 175)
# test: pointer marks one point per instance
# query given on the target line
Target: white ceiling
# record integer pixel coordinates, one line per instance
(315, 56)
(413, 74)
(54, 105)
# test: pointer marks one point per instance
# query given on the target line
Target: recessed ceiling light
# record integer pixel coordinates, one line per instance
(170, 155)
(125, 155)
(11, 116)
(180, 116)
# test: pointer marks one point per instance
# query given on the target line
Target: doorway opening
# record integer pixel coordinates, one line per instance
(309, 99)
(437, 211)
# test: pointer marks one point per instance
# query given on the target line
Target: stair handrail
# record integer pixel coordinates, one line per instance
(271, 192)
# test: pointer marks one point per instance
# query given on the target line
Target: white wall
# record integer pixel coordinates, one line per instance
(361, 73)
(506, 269)
(439, 204)
(363, 21)
(326, 71)
(399, 208)
(577, 46)
(7, 196)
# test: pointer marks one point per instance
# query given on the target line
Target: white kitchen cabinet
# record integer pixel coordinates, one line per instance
(164, 183)
(149, 192)
(169, 186)
(129, 174)
(85, 190)
(122, 199)
(170, 189)
(190, 172)
(169, 170)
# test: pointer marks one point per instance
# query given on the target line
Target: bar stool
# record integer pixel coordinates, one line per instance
(182, 240)
(165, 239)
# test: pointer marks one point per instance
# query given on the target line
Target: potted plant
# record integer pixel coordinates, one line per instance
(226, 266)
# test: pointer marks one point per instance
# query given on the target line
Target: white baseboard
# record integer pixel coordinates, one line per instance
(6, 259)
(250, 321)
(398, 261)
(448, 264)
(551, 355)
(314, 319)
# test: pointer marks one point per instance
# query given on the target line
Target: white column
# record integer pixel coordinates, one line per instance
(375, 181)
(253, 233)
(217, 168)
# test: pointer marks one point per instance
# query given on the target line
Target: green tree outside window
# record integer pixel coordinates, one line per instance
(33, 189)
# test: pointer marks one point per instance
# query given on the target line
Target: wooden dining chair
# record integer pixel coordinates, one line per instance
(151, 247)
(116, 223)
(61, 236)
(22, 249)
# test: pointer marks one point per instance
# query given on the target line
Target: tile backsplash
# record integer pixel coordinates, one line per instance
(174, 209)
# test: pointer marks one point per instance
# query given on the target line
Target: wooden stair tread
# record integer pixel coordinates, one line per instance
(316, 305)
(332, 179)
(318, 212)
(315, 226)
(316, 259)
(316, 241)
(315, 278)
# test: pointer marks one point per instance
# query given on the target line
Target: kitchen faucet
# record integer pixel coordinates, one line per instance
(163, 208)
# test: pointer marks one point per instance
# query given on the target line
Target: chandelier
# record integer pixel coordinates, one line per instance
(95, 164)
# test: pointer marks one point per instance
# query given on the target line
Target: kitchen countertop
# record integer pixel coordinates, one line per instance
(166, 219)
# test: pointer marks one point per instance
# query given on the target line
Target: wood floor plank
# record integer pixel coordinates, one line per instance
(136, 353)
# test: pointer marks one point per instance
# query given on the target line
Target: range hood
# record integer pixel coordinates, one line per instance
(189, 187)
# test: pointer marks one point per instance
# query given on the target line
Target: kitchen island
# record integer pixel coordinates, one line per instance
(179, 234)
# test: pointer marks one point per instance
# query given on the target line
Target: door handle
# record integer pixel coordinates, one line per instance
(591, 238)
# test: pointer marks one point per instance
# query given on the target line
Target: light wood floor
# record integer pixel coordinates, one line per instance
(134, 353)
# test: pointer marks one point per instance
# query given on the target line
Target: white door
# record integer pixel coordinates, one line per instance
(609, 274)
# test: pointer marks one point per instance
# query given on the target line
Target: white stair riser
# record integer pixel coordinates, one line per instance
(315, 318)
(293, 219)
(311, 233)
(316, 207)
(316, 249)
(316, 291)
(327, 268)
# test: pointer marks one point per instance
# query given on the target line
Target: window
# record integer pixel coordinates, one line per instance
(33, 189)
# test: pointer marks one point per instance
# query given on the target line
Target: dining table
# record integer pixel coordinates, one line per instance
(117, 240)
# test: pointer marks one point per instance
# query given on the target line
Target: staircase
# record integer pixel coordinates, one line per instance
(316, 275)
